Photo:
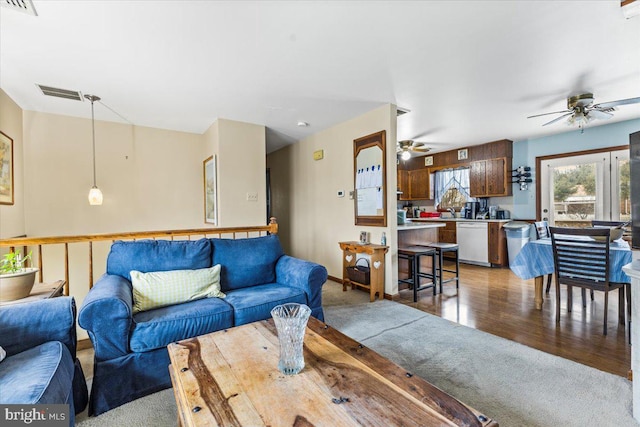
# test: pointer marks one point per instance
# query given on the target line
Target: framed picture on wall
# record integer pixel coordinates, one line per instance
(6, 169)
(210, 194)
(463, 154)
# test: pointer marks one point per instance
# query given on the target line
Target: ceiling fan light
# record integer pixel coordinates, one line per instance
(406, 155)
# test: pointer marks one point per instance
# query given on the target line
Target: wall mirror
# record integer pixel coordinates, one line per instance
(370, 176)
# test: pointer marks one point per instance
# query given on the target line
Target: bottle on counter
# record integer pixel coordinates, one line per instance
(383, 239)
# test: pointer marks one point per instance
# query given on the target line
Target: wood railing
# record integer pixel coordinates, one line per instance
(36, 243)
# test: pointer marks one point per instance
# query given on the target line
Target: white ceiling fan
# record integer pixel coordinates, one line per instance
(405, 147)
(581, 110)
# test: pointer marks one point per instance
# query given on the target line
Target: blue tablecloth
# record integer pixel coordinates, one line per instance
(536, 259)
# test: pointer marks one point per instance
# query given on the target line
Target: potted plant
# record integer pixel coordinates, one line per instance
(16, 280)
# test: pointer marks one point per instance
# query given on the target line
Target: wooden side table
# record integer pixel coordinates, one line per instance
(40, 291)
(376, 252)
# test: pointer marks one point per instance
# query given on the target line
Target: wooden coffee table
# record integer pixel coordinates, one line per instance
(230, 378)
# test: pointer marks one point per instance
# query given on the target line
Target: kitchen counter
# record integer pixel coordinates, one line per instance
(423, 225)
(427, 220)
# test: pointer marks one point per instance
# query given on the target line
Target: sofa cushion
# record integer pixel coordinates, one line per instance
(162, 288)
(255, 303)
(42, 374)
(158, 255)
(246, 262)
(157, 328)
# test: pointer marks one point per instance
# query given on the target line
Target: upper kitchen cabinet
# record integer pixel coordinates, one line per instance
(490, 177)
(413, 184)
(403, 184)
(419, 184)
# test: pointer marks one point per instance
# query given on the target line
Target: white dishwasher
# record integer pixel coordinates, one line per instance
(473, 242)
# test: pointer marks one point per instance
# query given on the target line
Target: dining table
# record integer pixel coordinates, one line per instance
(535, 261)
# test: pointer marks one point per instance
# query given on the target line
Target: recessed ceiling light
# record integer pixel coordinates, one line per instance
(303, 124)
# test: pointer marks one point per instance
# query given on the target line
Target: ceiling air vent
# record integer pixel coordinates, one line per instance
(61, 93)
(401, 111)
(25, 6)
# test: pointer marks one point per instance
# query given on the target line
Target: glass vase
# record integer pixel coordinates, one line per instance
(291, 323)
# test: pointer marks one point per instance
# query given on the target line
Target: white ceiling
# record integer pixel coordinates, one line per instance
(469, 71)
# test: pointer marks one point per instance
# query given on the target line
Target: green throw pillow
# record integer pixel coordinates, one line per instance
(161, 288)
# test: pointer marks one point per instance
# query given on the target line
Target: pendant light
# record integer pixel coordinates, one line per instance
(95, 195)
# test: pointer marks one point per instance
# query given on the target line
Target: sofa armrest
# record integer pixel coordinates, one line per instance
(305, 275)
(106, 314)
(24, 326)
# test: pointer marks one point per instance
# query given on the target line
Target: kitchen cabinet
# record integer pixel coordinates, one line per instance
(413, 184)
(447, 234)
(403, 184)
(497, 244)
(490, 177)
(419, 184)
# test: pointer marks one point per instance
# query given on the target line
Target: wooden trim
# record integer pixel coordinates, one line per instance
(335, 279)
(626, 2)
(540, 159)
(271, 228)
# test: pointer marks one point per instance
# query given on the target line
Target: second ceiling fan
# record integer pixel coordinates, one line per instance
(406, 146)
(581, 110)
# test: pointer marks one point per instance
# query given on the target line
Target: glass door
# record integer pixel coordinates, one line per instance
(578, 189)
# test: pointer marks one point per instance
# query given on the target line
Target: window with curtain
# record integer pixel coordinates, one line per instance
(451, 188)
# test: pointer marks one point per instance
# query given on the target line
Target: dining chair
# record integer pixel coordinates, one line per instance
(542, 232)
(581, 258)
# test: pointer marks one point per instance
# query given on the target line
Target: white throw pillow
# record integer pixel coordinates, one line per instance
(161, 288)
(3, 354)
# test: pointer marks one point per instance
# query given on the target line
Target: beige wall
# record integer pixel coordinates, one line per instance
(241, 155)
(304, 193)
(242, 170)
(12, 216)
(151, 178)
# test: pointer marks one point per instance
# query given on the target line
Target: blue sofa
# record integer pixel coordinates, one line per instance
(41, 365)
(131, 358)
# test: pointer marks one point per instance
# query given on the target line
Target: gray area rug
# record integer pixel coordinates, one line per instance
(509, 382)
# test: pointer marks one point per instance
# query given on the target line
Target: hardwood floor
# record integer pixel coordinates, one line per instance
(496, 301)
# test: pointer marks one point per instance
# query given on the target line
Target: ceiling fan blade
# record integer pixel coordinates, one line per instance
(557, 119)
(599, 114)
(421, 149)
(546, 114)
(616, 103)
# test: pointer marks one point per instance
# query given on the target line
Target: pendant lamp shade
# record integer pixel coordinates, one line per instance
(95, 195)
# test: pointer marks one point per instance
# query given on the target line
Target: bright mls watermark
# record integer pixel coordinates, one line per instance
(34, 415)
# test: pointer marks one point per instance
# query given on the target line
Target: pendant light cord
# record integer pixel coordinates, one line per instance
(93, 131)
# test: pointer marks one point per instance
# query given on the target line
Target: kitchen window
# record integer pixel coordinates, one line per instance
(451, 188)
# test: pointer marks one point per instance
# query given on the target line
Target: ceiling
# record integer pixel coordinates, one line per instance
(469, 71)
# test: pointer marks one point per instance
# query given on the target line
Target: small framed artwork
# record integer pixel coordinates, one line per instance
(463, 154)
(6, 169)
(210, 193)
(428, 161)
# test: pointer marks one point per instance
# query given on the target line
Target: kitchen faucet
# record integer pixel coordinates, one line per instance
(452, 211)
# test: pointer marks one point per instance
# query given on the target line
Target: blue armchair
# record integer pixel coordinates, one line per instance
(41, 365)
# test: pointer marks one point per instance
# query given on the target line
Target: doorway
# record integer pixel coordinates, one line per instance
(578, 188)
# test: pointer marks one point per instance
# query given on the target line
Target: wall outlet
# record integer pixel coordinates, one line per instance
(252, 197)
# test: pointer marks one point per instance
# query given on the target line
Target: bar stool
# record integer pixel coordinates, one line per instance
(413, 254)
(441, 249)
